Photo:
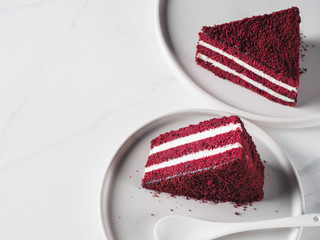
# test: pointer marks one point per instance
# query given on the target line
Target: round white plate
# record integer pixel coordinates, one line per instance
(178, 24)
(130, 212)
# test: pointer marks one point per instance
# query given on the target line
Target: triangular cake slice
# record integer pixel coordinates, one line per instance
(260, 53)
(214, 160)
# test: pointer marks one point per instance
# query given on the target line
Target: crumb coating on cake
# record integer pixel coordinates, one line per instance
(272, 39)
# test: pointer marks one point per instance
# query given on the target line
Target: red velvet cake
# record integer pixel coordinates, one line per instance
(260, 53)
(215, 160)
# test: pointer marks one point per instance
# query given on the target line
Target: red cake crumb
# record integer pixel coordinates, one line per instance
(237, 213)
(234, 175)
(268, 43)
(155, 195)
(303, 49)
(303, 70)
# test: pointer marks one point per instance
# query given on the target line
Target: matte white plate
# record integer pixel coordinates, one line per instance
(130, 212)
(178, 23)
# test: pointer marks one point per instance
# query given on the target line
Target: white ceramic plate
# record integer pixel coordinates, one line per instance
(130, 212)
(178, 23)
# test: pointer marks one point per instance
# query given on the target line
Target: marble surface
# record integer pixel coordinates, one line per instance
(75, 83)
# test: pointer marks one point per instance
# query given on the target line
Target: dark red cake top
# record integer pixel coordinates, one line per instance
(272, 39)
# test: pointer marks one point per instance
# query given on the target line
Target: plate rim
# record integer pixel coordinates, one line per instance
(278, 122)
(105, 185)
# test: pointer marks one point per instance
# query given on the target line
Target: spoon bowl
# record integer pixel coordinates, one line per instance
(187, 228)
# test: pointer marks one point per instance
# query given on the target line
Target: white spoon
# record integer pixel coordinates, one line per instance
(187, 228)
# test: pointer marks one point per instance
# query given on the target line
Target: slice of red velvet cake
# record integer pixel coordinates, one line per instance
(260, 53)
(214, 160)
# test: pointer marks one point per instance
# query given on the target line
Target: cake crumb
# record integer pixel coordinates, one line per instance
(237, 213)
(155, 194)
(254, 208)
(171, 210)
(303, 49)
(190, 210)
(152, 214)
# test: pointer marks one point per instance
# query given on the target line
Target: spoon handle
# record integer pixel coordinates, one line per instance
(187, 228)
(307, 220)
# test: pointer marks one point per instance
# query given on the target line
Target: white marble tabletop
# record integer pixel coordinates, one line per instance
(75, 82)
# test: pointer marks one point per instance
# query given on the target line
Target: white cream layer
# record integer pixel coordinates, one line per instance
(195, 137)
(245, 78)
(192, 157)
(247, 66)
